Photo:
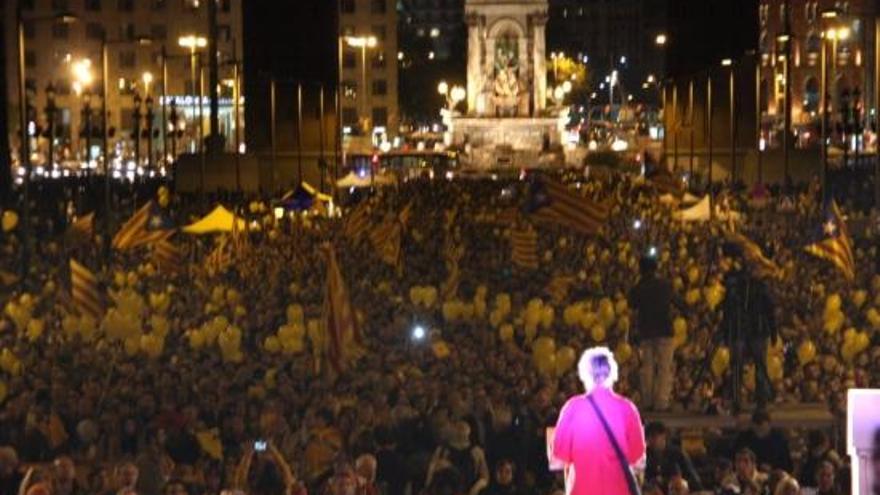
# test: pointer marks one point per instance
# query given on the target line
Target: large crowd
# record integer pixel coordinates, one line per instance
(195, 400)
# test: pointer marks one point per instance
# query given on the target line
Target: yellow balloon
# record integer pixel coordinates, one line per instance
(271, 344)
(10, 220)
(565, 358)
(35, 329)
(623, 352)
(505, 333)
(720, 361)
(598, 333)
(806, 352)
(440, 349)
(546, 364)
(859, 297)
(774, 368)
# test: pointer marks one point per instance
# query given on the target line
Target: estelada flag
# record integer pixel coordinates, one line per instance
(144, 227)
(551, 202)
(340, 324)
(524, 247)
(836, 247)
(85, 291)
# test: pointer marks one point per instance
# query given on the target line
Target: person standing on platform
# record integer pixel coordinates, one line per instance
(651, 298)
(599, 435)
(748, 322)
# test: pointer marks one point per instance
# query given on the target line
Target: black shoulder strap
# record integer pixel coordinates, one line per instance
(624, 464)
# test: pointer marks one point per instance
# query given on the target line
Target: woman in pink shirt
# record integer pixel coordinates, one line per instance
(580, 440)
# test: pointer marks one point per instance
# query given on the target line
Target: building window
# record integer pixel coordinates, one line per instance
(349, 116)
(379, 32)
(378, 6)
(60, 31)
(811, 95)
(379, 61)
(348, 30)
(159, 32)
(349, 90)
(224, 32)
(226, 6)
(380, 87)
(30, 58)
(347, 6)
(813, 48)
(127, 59)
(126, 31)
(158, 4)
(93, 5)
(27, 4)
(60, 5)
(30, 29)
(125, 5)
(380, 116)
(191, 4)
(349, 60)
(94, 31)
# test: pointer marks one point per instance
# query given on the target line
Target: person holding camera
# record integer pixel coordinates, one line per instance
(748, 322)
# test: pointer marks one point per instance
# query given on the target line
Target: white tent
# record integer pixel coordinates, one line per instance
(700, 212)
(355, 180)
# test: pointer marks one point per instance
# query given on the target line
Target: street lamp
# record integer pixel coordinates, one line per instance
(661, 39)
(363, 42)
(147, 77)
(732, 90)
(24, 148)
(51, 110)
(82, 81)
(194, 43)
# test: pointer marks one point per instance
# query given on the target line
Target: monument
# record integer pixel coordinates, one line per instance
(508, 122)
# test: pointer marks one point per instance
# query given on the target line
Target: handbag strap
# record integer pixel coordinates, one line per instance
(624, 464)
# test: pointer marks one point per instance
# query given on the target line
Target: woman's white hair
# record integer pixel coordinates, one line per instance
(597, 367)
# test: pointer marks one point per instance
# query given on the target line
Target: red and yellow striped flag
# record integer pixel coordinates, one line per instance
(82, 229)
(553, 202)
(558, 288)
(339, 320)
(752, 253)
(85, 292)
(219, 259)
(358, 223)
(837, 246)
(524, 247)
(134, 232)
(386, 240)
(168, 256)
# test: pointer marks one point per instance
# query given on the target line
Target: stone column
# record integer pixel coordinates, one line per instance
(539, 61)
(475, 63)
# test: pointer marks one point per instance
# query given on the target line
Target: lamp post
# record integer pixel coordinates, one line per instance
(363, 42)
(83, 78)
(24, 148)
(148, 123)
(193, 43)
(51, 110)
(173, 125)
(732, 90)
(832, 35)
(691, 124)
(136, 115)
(709, 138)
(150, 115)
